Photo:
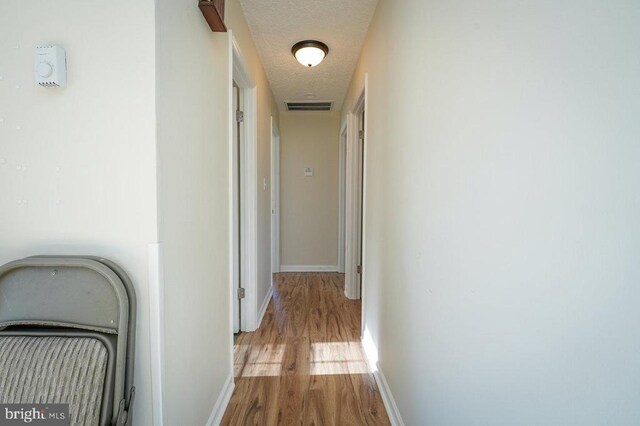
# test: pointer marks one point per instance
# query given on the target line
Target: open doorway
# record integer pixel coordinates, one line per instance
(275, 198)
(342, 197)
(236, 252)
(243, 194)
(360, 196)
(355, 141)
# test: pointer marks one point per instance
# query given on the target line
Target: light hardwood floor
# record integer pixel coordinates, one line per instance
(305, 364)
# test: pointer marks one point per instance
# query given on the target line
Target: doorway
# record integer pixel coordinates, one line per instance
(355, 177)
(342, 197)
(359, 181)
(275, 199)
(243, 188)
(236, 258)
(360, 197)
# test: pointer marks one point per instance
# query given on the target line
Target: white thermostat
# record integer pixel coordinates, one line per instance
(308, 171)
(50, 66)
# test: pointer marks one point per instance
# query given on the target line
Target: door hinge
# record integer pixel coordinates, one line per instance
(361, 134)
(359, 269)
(239, 116)
(241, 293)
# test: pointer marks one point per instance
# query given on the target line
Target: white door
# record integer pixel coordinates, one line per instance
(360, 199)
(275, 199)
(236, 211)
(342, 201)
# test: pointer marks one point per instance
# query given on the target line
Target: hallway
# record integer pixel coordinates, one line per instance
(305, 364)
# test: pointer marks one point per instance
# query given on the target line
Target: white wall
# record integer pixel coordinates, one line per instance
(77, 164)
(309, 205)
(502, 237)
(193, 203)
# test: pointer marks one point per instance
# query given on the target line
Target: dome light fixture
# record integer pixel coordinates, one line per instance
(310, 52)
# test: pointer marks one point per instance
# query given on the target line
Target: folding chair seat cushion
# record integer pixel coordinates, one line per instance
(55, 369)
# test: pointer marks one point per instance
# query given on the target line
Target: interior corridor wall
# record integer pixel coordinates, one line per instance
(193, 89)
(77, 164)
(309, 204)
(502, 253)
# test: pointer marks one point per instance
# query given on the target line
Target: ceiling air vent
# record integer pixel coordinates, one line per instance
(309, 106)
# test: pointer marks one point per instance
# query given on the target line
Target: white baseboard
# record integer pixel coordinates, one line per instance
(265, 304)
(371, 353)
(387, 399)
(223, 400)
(308, 268)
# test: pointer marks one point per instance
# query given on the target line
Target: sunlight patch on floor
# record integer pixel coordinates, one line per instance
(324, 358)
(337, 358)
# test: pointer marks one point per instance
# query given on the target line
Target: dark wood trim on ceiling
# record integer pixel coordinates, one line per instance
(213, 12)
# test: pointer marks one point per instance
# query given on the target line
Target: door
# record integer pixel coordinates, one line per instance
(236, 211)
(360, 200)
(354, 200)
(342, 201)
(275, 200)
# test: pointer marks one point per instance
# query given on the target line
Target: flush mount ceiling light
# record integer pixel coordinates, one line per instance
(310, 52)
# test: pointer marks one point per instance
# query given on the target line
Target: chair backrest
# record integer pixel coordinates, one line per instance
(66, 298)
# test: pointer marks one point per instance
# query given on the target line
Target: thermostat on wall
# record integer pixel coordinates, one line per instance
(50, 66)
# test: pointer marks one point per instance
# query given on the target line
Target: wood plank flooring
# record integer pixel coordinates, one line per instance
(305, 364)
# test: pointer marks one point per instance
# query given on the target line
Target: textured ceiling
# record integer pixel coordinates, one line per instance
(276, 25)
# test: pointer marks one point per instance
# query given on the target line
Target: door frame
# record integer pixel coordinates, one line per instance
(355, 165)
(275, 198)
(342, 189)
(235, 168)
(248, 217)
